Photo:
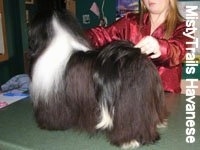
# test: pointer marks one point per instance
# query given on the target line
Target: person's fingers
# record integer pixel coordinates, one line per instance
(148, 51)
(155, 55)
(149, 46)
(140, 44)
(143, 50)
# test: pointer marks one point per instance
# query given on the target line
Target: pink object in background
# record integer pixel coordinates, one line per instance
(3, 104)
(95, 9)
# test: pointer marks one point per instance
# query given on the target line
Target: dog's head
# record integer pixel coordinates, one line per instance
(56, 29)
(45, 25)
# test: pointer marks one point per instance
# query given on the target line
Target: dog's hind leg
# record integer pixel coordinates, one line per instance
(136, 111)
(57, 115)
(133, 125)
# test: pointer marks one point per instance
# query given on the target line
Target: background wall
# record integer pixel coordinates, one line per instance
(14, 11)
(83, 9)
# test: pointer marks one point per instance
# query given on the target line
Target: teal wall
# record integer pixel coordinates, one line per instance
(83, 7)
(196, 75)
(16, 32)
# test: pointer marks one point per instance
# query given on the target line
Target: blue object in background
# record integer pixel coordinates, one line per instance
(20, 82)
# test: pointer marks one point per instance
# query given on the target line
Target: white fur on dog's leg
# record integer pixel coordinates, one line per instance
(106, 120)
(163, 124)
(132, 144)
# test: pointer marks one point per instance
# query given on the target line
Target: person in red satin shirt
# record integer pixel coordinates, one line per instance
(158, 31)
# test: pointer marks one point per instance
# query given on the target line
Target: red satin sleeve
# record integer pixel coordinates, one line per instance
(126, 28)
(173, 50)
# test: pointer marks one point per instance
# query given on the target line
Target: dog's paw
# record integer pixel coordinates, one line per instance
(130, 145)
(162, 124)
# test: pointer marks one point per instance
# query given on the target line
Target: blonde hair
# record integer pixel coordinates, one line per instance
(173, 17)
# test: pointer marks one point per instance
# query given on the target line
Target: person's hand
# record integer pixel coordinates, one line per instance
(149, 46)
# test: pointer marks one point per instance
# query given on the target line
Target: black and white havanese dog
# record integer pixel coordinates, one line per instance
(116, 89)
